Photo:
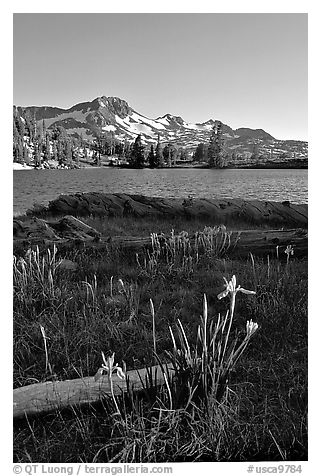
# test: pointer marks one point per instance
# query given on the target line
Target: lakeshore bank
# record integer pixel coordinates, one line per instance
(278, 165)
(215, 211)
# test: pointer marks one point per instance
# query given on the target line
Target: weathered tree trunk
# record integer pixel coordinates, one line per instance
(33, 229)
(46, 397)
(235, 243)
(232, 244)
(71, 227)
(263, 242)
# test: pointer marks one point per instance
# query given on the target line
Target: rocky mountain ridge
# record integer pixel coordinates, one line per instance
(114, 116)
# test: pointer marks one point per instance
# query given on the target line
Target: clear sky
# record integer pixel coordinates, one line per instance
(248, 70)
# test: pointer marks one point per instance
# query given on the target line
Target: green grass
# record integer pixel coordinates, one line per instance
(263, 415)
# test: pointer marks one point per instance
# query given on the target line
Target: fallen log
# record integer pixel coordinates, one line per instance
(33, 229)
(273, 242)
(68, 227)
(232, 244)
(71, 227)
(40, 398)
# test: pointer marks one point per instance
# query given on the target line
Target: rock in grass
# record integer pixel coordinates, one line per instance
(68, 265)
(33, 228)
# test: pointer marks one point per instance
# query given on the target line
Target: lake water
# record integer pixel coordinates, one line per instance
(41, 186)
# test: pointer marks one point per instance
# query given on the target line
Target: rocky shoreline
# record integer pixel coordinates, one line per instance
(86, 165)
(217, 211)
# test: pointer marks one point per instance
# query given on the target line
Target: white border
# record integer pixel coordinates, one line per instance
(165, 6)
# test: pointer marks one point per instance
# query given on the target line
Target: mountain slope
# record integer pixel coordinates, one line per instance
(113, 115)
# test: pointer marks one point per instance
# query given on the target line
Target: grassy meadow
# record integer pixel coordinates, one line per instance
(133, 304)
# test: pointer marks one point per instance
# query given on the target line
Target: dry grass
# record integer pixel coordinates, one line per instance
(64, 319)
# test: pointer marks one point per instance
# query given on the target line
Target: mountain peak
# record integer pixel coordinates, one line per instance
(172, 119)
(113, 115)
(110, 106)
(210, 121)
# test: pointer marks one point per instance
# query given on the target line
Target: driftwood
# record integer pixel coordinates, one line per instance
(232, 244)
(235, 243)
(33, 229)
(67, 227)
(71, 227)
(47, 397)
(263, 242)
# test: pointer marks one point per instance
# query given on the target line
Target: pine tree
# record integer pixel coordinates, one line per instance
(166, 155)
(18, 136)
(25, 154)
(46, 148)
(34, 126)
(170, 154)
(255, 154)
(75, 154)
(128, 147)
(28, 125)
(54, 151)
(14, 152)
(159, 158)
(15, 131)
(44, 130)
(60, 152)
(36, 154)
(152, 158)
(18, 152)
(112, 143)
(200, 153)
(174, 154)
(96, 147)
(119, 149)
(18, 124)
(215, 147)
(68, 153)
(85, 151)
(137, 154)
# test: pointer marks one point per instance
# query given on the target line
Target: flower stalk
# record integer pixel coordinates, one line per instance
(231, 290)
(110, 367)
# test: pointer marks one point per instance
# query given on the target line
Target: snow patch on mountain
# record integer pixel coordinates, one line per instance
(163, 120)
(153, 123)
(109, 128)
(122, 122)
(101, 102)
(193, 127)
(142, 129)
(134, 128)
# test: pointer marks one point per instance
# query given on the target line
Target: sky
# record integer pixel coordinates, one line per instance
(247, 70)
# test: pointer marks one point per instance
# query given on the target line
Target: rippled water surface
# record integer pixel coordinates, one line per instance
(41, 186)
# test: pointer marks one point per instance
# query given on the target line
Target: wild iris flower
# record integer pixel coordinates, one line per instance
(251, 327)
(230, 288)
(109, 366)
(289, 250)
